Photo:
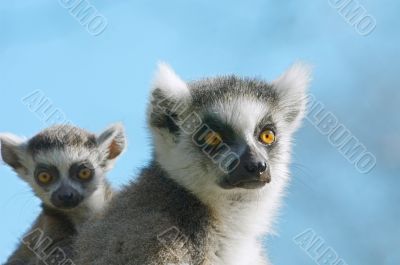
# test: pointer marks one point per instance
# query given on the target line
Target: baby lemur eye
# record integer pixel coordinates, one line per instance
(213, 139)
(267, 136)
(85, 173)
(44, 177)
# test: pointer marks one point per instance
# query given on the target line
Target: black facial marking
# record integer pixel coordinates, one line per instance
(226, 131)
(213, 124)
(199, 138)
(165, 112)
(52, 170)
(170, 123)
(58, 137)
(76, 167)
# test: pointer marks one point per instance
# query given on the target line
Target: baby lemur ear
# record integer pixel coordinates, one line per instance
(168, 98)
(112, 141)
(12, 150)
(292, 89)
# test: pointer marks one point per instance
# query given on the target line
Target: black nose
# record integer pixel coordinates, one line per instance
(252, 172)
(256, 167)
(66, 197)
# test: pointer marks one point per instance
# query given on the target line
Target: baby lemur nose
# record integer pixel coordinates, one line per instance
(66, 197)
(256, 167)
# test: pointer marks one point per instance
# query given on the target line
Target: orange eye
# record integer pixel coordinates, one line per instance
(267, 137)
(85, 174)
(213, 139)
(44, 177)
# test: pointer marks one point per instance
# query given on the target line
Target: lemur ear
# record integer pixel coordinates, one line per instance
(112, 141)
(169, 98)
(12, 149)
(292, 89)
(169, 83)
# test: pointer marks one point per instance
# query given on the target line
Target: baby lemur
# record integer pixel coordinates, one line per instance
(66, 167)
(221, 154)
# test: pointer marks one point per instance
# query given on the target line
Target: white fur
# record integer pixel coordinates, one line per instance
(10, 140)
(97, 200)
(296, 79)
(242, 113)
(170, 83)
(292, 87)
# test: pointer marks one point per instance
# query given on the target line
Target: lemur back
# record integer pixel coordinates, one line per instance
(66, 168)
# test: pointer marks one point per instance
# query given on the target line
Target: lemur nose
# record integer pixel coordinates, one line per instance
(262, 166)
(258, 167)
(66, 196)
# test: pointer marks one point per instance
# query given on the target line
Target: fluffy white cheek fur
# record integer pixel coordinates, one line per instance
(180, 161)
(27, 174)
(97, 200)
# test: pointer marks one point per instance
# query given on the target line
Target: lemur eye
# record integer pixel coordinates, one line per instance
(267, 137)
(213, 139)
(44, 177)
(85, 173)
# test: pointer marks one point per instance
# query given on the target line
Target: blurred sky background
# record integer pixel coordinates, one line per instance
(97, 80)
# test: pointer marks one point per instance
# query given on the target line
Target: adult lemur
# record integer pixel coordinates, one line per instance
(221, 154)
(66, 167)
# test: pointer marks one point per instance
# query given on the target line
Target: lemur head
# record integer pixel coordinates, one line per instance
(64, 164)
(227, 133)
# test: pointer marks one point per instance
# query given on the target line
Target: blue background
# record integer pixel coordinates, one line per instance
(97, 80)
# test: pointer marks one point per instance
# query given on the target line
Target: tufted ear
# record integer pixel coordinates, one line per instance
(169, 99)
(169, 83)
(12, 150)
(292, 89)
(112, 142)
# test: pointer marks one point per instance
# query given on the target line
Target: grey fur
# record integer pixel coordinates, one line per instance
(60, 136)
(181, 191)
(60, 149)
(135, 219)
(206, 92)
